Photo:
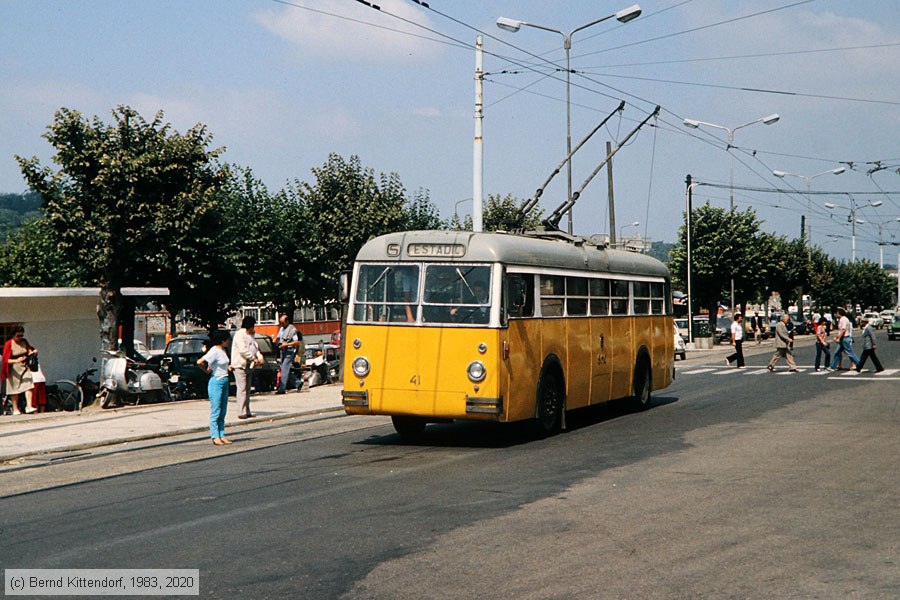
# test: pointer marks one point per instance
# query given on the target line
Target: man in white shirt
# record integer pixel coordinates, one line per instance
(245, 355)
(737, 340)
(844, 340)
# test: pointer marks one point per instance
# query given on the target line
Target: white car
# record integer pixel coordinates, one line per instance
(874, 319)
(681, 327)
(680, 349)
(888, 316)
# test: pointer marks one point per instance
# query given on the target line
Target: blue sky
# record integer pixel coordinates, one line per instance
(281, 85)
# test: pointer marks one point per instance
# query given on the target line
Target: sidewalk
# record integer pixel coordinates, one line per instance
(26, 435)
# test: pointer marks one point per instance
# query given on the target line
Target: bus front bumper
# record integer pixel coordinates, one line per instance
(362, 402)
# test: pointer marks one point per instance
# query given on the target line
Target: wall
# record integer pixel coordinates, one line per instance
(65, 329)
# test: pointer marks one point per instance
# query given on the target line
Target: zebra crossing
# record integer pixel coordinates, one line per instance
(846, 375)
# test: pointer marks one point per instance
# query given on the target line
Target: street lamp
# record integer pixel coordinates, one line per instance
(694, 124)
(513, 25)
(853, 221)
(808, 178)
(635, 224)
(880, 227)
(456, 206)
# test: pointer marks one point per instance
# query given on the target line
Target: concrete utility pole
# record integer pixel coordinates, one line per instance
(612, 202)
(478, 154)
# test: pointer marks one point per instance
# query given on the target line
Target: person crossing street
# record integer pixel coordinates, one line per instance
(737, 340)
(782, 346)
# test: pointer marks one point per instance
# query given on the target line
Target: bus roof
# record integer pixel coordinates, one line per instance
(510, 249)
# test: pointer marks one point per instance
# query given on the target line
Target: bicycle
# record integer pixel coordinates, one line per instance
(67, 395)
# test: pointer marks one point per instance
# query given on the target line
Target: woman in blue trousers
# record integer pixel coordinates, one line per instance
(216, 363)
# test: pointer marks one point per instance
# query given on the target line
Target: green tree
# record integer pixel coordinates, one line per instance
(133, 203)
(497, 214)
(421, 213)
(30, 257)
(342, 209)
(724, 244)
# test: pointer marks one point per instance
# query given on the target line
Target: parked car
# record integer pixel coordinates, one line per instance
(888, 317)
(330, 366)
(681, 327)
(894, 329)
(875, 319)
(680, 348)
(723, 329)
(178, 365)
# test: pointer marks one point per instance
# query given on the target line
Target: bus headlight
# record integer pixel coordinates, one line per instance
(361, 366)
(476, 371)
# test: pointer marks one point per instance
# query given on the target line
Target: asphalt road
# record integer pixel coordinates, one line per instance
(736, 484)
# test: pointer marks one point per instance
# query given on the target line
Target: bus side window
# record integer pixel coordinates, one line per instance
(519, 295)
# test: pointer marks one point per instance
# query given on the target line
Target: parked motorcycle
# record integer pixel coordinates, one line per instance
(126, 381)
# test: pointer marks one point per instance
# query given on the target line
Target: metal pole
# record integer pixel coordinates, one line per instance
(612, 203)
(568, 45)
(731, 200)
(687, 220)
(478, 154)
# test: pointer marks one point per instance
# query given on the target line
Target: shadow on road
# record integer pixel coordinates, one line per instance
(475, 434)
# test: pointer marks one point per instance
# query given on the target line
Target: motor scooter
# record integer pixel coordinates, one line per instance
(124, 381)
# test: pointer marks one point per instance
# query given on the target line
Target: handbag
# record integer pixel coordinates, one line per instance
(31, 361)
(38, 376)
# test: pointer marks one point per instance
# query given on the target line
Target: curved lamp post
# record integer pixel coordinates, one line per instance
(622, 228)
(513, 25)
(695, 124)
(854, 221)
(808, 179)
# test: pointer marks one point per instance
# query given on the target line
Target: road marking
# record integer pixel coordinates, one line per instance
(728, 371)
(789, 372)
(823, 372)
(698, 371)
(850, 373)
(886, 373)
(759, 372)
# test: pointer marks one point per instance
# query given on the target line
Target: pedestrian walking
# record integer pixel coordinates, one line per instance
(287, 341)
(216, 364)
(245, 355)
(844, 339)
(757, 328)
(737, 340)
(783, 345)
(869, 347)
(822, 344)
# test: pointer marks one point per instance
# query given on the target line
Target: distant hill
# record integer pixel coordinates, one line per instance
(660, 251)
(15, 209)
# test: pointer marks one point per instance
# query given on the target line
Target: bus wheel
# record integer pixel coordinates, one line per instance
(408, 428)
(641, 386)
(550, 405)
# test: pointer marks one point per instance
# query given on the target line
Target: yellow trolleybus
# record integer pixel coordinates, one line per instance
(449, 325)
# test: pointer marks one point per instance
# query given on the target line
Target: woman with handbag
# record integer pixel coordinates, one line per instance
(15, 373)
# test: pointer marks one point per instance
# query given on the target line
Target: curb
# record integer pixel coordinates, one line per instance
(172, 433)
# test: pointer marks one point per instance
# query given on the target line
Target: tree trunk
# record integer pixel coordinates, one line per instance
(109, 308)
(126, 318)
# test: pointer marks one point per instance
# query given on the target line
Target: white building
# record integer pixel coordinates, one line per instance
(61, 323)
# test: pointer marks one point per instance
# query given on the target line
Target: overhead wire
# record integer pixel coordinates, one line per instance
(556, 68)
(695, 29)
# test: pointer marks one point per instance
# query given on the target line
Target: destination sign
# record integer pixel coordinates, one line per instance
(437, 250)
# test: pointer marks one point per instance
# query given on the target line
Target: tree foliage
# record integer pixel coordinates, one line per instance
(133, 203)
(727, 244)
(497, 213)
